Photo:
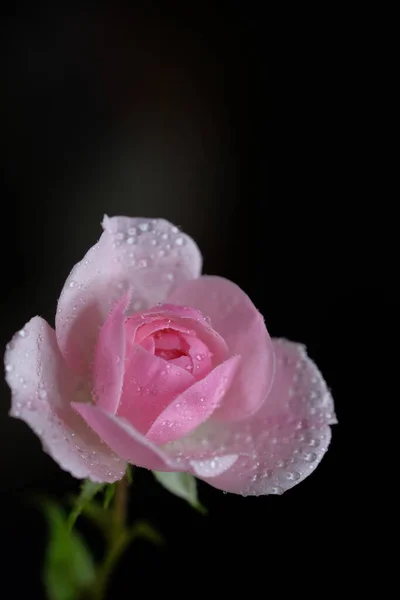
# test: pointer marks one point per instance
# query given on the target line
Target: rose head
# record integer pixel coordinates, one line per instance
(153, 364)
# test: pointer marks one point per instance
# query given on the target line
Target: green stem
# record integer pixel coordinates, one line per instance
(118, 541)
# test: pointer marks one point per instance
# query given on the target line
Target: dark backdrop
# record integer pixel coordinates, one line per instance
(240, 127)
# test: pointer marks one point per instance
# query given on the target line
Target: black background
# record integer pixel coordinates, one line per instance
(246, 129)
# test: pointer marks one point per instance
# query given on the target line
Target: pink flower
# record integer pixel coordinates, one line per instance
(153, 364)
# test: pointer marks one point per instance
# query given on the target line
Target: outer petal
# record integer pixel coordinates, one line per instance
(124, 439)
(108, 368)
(280, 445)
(194, 405)
(149, 255)
(42, 387)
(236, 319)
(150, 385)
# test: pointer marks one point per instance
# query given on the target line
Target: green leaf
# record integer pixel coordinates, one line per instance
(88, 492)
(69, 569)
(182, 485)
(143, 530)
(108, 495)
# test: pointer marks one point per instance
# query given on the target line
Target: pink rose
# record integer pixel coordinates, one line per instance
(153, 364)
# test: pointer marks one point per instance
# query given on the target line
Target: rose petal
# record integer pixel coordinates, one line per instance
(280, 445)
(184, 362)
(42, 387)
(194, 405)
(200, 356)
(143, 254)
(108, 367)
(157, 325)
(150, 385)
(236, 319)
(148, 345)
(184, 318)
(125, 440)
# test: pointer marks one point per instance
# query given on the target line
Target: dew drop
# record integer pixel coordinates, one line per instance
(9, 368)
(161, 253)
(174, 229)
(276, 490)
(153, 242)
(22, 333)
(179, 241)
(164, 236)
(132, 231)
(293, 475)
(144, 227)
(72, 284)
(313, 443)
(130, 240)
(310, 456)
(119, 236)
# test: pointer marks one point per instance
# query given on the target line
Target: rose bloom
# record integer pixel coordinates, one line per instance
(153, 364)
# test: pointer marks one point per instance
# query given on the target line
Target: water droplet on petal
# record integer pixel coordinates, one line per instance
(144, 227)
(293, 475)
(310, 456)
(313, 442)
(22, 333)
(276, 490)
(9, 368)
(131, 240)
(132, 231)
(180, 241)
